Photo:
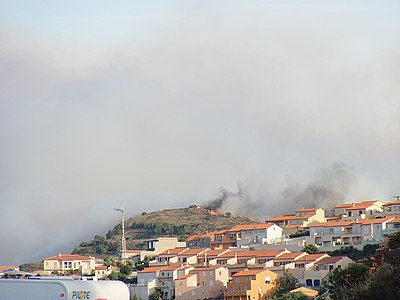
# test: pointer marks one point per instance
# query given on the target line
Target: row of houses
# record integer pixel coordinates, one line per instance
(349, 224)
(198, 273)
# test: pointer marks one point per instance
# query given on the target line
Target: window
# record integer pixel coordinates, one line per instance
(204, 273)
(308, 282)
(193, 293)
(211, 273)
(267, 279)
(317, 282)
(203, 283)
(237, 279)
(179, 282)
(360, 212)
(203, 293)
(232, 289)
(330, 268)
(211, 283)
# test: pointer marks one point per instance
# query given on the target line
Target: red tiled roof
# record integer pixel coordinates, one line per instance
(69, 257)
(193, 252)
(250, 227)
(329, 260)
(152, 269)
(396, 220)
(213, 253)
(303, 217)
(374, 221)
(280, 218)
(261, 253)
(173, 251)
(233, 253)
(292, 255)
(100, 268)
(344, 205)
(392, 203)
(313, 257)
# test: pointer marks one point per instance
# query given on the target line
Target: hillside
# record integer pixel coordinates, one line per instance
(180, 222)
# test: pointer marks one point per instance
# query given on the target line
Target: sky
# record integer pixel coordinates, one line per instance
(162, 103)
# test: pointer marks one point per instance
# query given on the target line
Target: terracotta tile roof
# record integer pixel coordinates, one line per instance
(332, 224)
(261, 253)
(344, 205)
(100, 268)
(313, 257)
(329, 260)
(247, 273)
(185, 276)
(280, 218)
(291, 256)
(396, 220)
(250, 227)
(213, 253)
(221, 232)
(303, 217)
(307, 209)
(69, 257)
(392, 203)
(193, 252)
(374, 221)
(231, 254)
(152, 269)
(173, 251)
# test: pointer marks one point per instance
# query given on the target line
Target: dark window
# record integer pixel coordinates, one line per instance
(308, 282)
(317, 282)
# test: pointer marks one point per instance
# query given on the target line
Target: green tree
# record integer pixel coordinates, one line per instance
(310, 249)
(156, 295)
(284, 284)
(113, 276)
(346, 283)
(384, 284)
(125, 269)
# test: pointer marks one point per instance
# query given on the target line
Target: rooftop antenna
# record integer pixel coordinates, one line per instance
(397, 197)
(121, 209)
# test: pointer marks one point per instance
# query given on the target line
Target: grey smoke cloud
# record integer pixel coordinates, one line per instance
(167, 112)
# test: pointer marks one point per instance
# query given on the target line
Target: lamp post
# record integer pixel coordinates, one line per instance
(123, 241)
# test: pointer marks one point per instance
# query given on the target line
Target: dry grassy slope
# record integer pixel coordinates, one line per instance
(180, 222)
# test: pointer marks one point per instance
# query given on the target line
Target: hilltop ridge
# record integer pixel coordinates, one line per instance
(179, 222)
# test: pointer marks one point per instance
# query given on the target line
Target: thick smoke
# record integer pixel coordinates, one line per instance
(328, 187)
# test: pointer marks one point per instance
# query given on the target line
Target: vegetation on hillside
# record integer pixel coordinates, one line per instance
(180, 222)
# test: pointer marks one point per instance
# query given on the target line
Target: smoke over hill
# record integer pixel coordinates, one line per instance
(325, 189)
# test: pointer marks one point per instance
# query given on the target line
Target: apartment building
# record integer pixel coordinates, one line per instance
(361, 210)
(251, 284)
(251, 234)
(329, 236)
(161, 277)
(67, 262)
(202, 283)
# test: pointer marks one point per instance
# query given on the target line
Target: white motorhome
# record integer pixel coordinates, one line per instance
(19, 289)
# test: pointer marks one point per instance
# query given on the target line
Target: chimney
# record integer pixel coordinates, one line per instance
(59, 254)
